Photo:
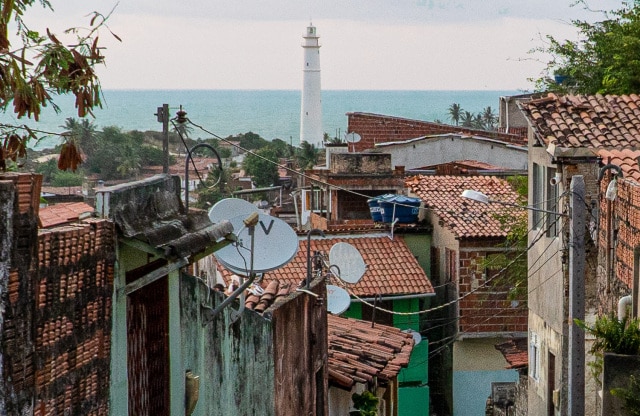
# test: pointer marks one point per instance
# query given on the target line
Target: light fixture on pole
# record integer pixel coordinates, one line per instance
(483, 198)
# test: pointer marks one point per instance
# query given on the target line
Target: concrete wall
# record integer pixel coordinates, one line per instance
(436, 150)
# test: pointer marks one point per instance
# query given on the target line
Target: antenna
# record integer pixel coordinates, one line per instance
(352, 138)
(338, 300)
(228, 208)
(349, 262)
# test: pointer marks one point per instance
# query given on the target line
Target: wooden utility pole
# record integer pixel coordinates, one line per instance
(576, 296)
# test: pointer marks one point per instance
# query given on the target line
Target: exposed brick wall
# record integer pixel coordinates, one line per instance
(374, 128)
(626, 210)
(488, 308)
(73, 318)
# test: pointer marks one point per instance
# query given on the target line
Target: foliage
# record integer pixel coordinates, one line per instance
(153, 156)
(116, 154)
(209, 192)
(35, 66)
(630, 396)
(511, 264)
(604, 60)
(250, 141)
(484, 120)
(619, 336)
(306, 155)
(63, 178)
(262, 167)
(366, 403)
(282, 148)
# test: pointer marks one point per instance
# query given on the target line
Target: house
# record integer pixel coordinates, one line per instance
(374, 129)
(181, 348)
(365, 357)
(477, 304)
(392, 291)
(567, 136)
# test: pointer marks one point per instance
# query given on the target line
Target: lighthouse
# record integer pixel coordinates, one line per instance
(311, 106)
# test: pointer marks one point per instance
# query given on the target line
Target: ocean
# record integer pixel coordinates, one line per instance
(269, 113)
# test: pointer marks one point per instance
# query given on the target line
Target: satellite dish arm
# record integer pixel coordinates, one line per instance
(317, 231)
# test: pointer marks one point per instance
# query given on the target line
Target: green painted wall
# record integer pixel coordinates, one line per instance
(413, 401)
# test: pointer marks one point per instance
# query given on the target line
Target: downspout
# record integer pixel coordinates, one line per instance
(609, 255)
(623, 303)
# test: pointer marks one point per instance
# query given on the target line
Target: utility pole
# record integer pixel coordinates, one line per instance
(576, 296)
(163, 117)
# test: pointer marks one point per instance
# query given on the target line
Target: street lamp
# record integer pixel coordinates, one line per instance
(483, 198)
(576, 380)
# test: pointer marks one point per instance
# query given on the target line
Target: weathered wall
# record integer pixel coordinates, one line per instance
(374, 128)
(449, 148)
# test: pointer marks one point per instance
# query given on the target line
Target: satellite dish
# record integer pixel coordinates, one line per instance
(352, 137)
(415, 334)
(349, 262)
(338, 300)
(227, 208)
(275, 245)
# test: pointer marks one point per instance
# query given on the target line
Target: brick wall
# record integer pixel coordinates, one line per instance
(374, 128)
(488, 308)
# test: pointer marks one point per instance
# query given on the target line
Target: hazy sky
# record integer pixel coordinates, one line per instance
(366, 44)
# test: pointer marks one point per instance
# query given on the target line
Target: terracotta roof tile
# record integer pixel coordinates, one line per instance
(464, 217)
(392, 269)
(592, 121)
(515, 352)
(627, 159)
(62, 213)
(358, 353)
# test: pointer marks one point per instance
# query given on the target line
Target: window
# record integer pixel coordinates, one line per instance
(534, 356)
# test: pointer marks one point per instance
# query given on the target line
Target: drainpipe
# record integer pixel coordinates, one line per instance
(623, 304)
(609, 255)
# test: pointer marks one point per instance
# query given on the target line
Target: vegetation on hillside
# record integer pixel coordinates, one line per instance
(605, 59)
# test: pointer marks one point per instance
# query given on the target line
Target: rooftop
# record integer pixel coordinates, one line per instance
(587, 121)
(63, 213)
(466, 218)
(627, 159)
(515, 352)
(358, 353)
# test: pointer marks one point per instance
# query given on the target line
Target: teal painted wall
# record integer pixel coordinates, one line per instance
(471, 389)
(413, 401)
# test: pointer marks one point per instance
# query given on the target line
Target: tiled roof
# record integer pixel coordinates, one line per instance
(587, 121)
(358, 352)
(464, 217)
(515, 352)
(62, 213)
(391, 268)
(627, 159)
(261, 296)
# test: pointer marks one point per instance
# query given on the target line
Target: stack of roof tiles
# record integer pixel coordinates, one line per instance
(360, 353)
(261, 297)
(391, 267)
(588, 121)
(464, 217)
(73, 318)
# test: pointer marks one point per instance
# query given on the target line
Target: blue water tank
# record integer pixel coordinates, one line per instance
(406, 209)
(374, 206)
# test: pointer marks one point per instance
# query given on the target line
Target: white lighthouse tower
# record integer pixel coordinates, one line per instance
(311, 106)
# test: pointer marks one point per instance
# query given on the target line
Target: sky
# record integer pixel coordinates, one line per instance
(365, 44)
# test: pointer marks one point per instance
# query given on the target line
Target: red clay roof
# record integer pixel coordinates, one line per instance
(392, 269)
(515, 352)
(464, 217)
(591, 121)
(62, 213)
(358, 352)
(261, 296)
(627, 159)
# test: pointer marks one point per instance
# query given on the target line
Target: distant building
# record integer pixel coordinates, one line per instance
(311, 105)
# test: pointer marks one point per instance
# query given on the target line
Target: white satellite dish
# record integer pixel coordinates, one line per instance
(350, 263)
(415, 334)
(352, 137)
(274, 246)
(227, 208)
(338, 300)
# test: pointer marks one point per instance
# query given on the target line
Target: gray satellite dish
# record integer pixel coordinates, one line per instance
(338, 300)
(227, 208)
(415, 334)
(349, 262)
(275, 245)
(352, 137)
